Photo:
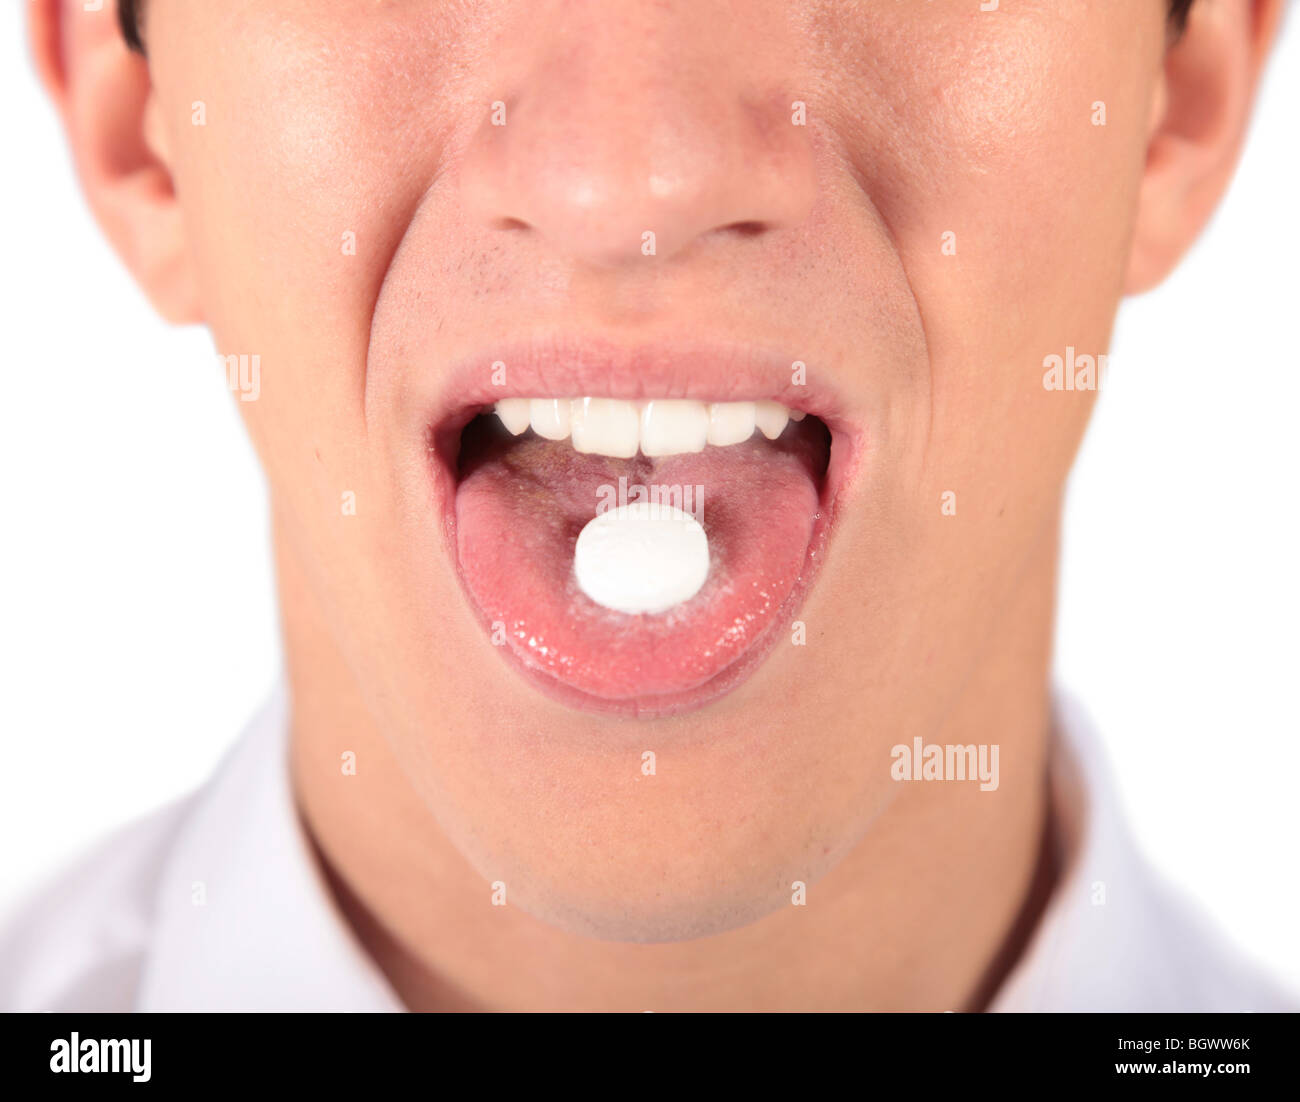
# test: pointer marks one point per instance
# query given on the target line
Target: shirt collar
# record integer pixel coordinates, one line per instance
(1113, 935)
(245, 920)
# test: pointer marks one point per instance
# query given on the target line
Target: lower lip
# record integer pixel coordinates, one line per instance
(593, 660)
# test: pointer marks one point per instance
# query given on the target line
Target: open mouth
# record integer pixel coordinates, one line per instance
(526, 474)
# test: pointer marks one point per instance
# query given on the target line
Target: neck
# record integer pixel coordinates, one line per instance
(927, 912)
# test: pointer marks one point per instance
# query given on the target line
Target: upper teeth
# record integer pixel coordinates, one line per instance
(659, 426)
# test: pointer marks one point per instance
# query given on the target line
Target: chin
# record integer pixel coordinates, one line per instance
(628, 905)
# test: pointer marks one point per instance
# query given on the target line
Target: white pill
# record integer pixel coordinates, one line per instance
(643, 557)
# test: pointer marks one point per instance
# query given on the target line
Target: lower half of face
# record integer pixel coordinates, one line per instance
(804, 278)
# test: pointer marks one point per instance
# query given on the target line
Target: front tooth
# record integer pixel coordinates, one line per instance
(514, 414)
(770, 417)
(605, 426)
(550, 417)
(730, 423)
(673, 426)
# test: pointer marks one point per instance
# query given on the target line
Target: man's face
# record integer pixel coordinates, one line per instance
(945, 212)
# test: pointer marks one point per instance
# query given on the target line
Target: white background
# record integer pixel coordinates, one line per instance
(138, 627)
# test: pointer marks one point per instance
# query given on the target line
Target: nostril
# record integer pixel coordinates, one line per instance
(745, 229)
(509, 223)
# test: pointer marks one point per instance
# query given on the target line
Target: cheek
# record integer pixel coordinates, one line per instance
(1006, 169)
(298, 167)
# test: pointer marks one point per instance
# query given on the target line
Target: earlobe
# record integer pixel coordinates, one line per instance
(1201, 108)
(117, 137)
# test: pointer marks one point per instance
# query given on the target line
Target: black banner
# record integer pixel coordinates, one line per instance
(1230, 1054)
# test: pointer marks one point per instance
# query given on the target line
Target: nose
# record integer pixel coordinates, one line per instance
(640, 128)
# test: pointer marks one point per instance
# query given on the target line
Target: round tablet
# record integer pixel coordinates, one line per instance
(643, 557)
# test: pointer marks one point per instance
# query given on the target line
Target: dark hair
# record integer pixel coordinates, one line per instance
(128, 12)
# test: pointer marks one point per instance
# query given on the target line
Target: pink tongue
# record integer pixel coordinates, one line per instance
(521, 503)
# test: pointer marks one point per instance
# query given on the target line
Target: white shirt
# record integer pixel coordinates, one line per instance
(217, 903)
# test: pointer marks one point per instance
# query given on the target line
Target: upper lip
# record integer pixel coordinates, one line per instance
(573, 367)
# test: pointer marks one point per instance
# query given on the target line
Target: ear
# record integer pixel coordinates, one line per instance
(105, 99)
(1199, 119)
